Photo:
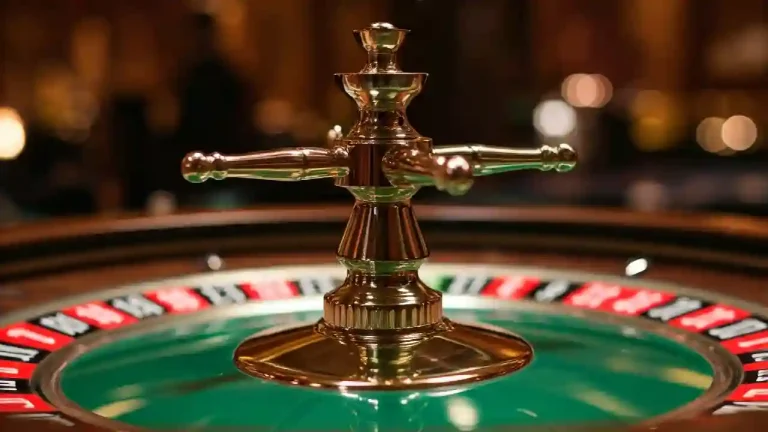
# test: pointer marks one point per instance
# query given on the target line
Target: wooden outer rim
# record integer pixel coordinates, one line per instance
(730, 225)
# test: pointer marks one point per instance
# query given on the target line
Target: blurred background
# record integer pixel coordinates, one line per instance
(665, 100)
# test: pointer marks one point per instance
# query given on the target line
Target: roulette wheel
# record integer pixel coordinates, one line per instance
(521, 319)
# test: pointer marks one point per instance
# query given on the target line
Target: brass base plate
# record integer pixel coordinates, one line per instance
(462, 354)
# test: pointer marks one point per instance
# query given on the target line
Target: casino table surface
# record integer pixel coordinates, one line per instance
(720, 261)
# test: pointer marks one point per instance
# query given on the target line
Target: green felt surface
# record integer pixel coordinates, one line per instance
(583, 371)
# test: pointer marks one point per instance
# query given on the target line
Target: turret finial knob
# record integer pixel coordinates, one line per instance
(197, 167)
(381, 40)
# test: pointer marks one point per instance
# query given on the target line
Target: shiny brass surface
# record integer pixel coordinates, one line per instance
(459, 355)
(280, 165)
(383, 320)
(487, 160)
(452, 173)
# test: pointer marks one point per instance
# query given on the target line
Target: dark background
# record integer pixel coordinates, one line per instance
(665, 100)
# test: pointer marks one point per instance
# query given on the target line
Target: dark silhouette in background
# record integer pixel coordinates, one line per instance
(215, 112)
(215, 106)
(214, 115)
(48, 176)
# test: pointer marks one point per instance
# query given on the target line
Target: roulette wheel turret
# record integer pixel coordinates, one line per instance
(523, 319)
(383, 326)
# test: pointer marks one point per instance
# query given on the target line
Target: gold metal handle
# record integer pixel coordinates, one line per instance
(412, 167)
(488, 160)
(281, 165)
(452, 168)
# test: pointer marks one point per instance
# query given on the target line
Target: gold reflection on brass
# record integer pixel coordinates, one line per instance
(383, 327)
(461, 354)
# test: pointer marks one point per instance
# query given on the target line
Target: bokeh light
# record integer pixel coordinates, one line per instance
(727, 136)
(161, 203)
(658, 121)
(709, 134)
(587, 91)
(647, 196)
(12, 134)
(739, 132)
(554, 118)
